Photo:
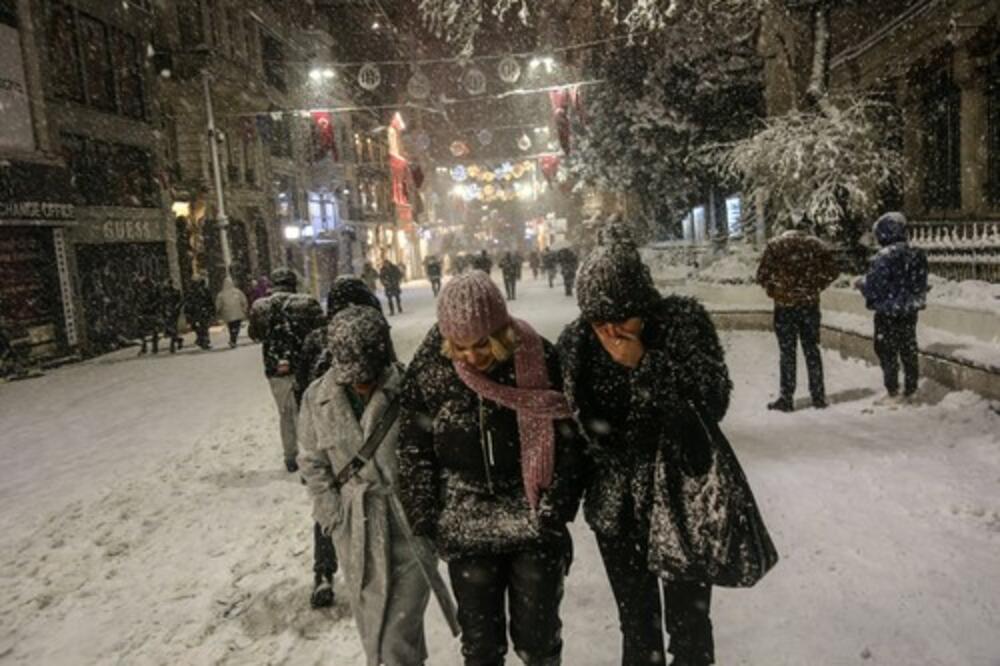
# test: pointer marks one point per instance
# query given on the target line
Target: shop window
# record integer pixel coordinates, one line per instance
(64, 54)
(941, 111)
(99, 74)
(128, 74)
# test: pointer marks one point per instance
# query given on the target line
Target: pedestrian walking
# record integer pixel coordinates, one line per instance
(370, 276)
(281, 323)
(432, 266)
(392, 277)
(535, 261)
(633, 363)
(482, 262)
(794, 269)
(261, 289)
(550, 265)
(490, 471)
(895, 288)
(150, 310)
(509, 267)
(384, 565)
(568, 263)
(172, 303)
(231, 307)
(200, 309)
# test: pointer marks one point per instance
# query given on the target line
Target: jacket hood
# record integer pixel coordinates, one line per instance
(284, 279)
(348, 290)
(614, 284)
(890, 228)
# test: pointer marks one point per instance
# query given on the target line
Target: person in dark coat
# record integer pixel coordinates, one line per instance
(794, 269)
(490, 471)
(550, 265)
(392, 278)
(895, 288)
(568, 263)
(482, 262)
(281, 322)
(509, 266)
(171, 303)
(200, 309)
(535, 261)
(631, 361)
(150, 313)
(432, 266)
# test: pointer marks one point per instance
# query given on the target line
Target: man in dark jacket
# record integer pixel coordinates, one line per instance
(432, 266)
(200, 309)
(171, 303)
(509, 266)
(632, 362)
(482, 262)
(281, 322)
(392, 279)
(568, 263)
(549, 265)
(150, 313)
(895, 288)
(535, 261)
(794, 269)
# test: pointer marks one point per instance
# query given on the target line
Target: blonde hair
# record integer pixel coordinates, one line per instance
(503, 344)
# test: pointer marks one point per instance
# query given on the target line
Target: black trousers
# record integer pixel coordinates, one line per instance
(684, 610)
(552, 278)
(394, 307)
(568, 283)
(234, 330)
(895, 345)
(435, 285)
(154, 338)
(202, 338)
(324, 556)
(793, 325)
(510, 284)
(530, 584)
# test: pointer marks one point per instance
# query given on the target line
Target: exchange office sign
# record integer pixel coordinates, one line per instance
(33, 193)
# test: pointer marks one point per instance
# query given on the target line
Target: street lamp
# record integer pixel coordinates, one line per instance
(222, 219)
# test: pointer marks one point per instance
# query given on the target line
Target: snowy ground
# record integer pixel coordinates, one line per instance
(145, 519)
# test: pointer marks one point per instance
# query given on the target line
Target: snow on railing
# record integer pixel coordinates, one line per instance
(960, 250)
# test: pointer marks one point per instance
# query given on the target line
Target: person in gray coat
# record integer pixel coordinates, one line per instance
(384, 565)
(231, 306)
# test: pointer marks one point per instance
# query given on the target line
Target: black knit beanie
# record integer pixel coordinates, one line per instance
(349, 290)
(613, 284)
(359, 344)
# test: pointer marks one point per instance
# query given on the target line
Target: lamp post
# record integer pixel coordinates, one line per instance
(222, 220)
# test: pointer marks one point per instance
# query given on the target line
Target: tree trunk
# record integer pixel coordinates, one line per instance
(820, 75)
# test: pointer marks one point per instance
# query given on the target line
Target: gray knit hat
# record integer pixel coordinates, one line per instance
(614, 284)
(359, 344)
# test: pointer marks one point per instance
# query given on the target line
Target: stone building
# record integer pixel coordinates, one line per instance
(936, 63)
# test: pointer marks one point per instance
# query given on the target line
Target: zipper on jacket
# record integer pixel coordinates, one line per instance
(486, 444)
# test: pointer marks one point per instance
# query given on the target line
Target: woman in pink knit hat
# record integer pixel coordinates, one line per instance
(490, 471)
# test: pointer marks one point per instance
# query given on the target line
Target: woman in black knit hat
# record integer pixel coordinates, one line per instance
(631, 362)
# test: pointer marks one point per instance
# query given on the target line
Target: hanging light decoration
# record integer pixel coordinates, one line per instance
(369, 76)
(524, 143)
(509, 70)
(419, 86)
(474, 81)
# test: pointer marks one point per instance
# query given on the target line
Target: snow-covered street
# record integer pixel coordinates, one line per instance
(146, 518)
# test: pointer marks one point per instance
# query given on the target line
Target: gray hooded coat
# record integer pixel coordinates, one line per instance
(387, 589)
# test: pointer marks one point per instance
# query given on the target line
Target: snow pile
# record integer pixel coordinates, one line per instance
(667, 265)
(972, 294)
(737, 265)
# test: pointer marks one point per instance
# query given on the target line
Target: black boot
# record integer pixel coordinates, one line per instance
(322, 594)
(291, 465)
(782, 404)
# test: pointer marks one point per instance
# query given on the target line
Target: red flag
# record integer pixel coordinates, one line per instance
(324, 139)
(561, 100)
(398, 166)
(550, 166)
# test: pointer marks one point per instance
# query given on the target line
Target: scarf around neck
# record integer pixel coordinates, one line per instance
(536, 404)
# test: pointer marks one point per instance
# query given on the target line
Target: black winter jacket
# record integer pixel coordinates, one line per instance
(460, 462)
(281, 322)
(629, 415)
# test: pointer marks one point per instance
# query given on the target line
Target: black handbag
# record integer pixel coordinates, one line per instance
(705, 524)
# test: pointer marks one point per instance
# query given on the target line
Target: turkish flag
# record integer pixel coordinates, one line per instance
(324, 139)
(561, 100)
(550, 166)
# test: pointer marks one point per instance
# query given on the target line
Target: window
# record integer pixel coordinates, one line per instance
(214, 29)
(64, 55)
(110, 174)
(941, 110)
(128, 74)
(250, 34)
(249, 145)
(281, 138)
(993, 133)
(273, 54)
(190, 22)
(98, 73)
(8, 12)
(236, 43)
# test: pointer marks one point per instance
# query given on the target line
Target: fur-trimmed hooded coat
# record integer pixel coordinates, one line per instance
(460, 462)
(630, 416)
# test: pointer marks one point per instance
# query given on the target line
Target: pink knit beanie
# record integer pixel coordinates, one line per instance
(471, 307)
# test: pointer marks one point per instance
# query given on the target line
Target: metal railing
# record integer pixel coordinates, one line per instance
(960, 250)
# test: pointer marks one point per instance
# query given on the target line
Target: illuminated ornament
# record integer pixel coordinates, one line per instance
(422, 141)
(472, 192)
(459, 148)
(489, 191)
(474, 81)
(489, 176)
(459, 174)
(474, 171)
(524, 143)
(517, 171)
(506, 168)
(419, 86)
(369, 77)
(485, 137)
(509, 70)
